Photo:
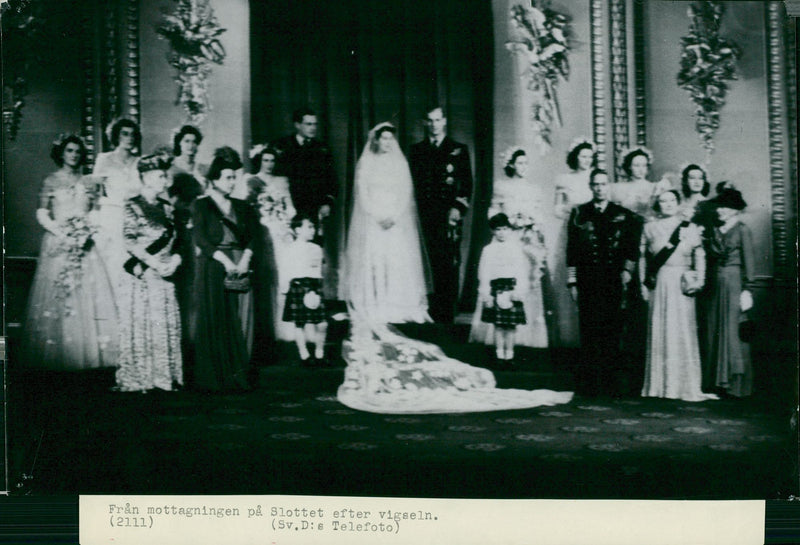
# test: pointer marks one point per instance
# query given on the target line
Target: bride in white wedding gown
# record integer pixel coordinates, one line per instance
(384, 275)
(385, 282)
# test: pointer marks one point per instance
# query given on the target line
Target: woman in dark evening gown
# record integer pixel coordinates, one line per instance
(224, 232)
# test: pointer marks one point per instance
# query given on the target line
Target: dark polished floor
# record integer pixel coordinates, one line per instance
(69, 433)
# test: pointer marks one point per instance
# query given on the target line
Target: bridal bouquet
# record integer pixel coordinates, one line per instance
(542, 42)
(74, 245)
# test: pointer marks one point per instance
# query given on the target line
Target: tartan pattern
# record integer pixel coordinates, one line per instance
(295, 311)
(500, 317)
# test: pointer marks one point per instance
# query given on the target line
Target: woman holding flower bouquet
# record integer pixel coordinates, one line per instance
(71, 321)
(150, 325)
(521, 200)
(269, 195)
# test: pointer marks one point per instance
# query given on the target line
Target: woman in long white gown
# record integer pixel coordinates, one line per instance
(521, 200)
(384, 281)
(571, 189)
(385, 277)
(120, 182)
(274, 204)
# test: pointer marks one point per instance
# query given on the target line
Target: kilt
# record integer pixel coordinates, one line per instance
(503, 317)
(295, 310)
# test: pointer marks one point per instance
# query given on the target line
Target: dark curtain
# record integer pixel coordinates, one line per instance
(359, 62)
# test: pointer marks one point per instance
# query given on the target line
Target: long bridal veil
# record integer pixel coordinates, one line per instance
(384, 277)
(384, 282)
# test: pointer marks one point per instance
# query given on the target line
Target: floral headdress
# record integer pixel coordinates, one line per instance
(256, 150)
(581, 141)
(59, 140)
(113, 123)
(640, 149)
(508, 154)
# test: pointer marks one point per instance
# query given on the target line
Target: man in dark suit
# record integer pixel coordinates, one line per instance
(308, 163)
(442, 175)
(602, 253)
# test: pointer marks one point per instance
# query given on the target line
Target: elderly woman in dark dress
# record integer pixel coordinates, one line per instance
(729, 245)
(224, 231)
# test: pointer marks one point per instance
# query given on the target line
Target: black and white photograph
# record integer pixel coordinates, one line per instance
(476, 249)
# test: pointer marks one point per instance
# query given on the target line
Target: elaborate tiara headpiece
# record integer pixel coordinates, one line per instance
(580, 141)
(641, 149)
(508, 154)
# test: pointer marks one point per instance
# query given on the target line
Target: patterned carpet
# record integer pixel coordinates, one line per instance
(291, 436)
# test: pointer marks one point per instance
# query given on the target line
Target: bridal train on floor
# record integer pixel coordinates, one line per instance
(387, 372)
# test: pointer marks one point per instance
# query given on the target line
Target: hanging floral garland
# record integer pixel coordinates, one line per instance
(708, 62)
(22, 29)
(192, 32)
(542, 41)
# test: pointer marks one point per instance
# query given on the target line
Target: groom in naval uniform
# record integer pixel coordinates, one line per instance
(602, 253)
(442, 175)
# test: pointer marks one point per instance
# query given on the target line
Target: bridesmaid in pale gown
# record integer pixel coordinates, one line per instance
(273, 202)
(185, 144)
(521, 200)
(571, 189)
(121, 182)
(637, 192)
(674, 260)
(71, 320)
(185, 183)
(695, 189)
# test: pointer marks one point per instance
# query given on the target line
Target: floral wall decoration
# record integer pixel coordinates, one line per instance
(708, 62)
(192, 32)
(22, 28)
(541, 40)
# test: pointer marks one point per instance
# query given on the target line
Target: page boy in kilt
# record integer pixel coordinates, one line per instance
(302, 284)
(501, 273)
